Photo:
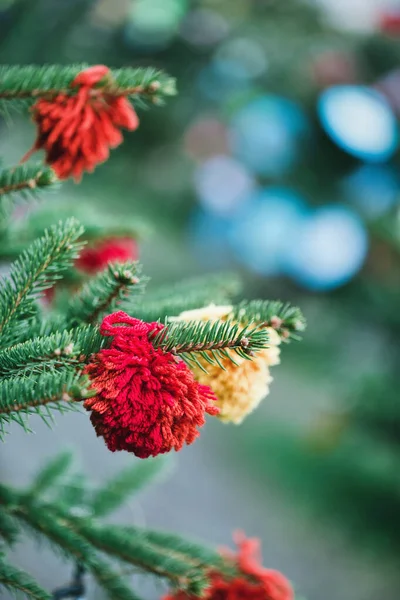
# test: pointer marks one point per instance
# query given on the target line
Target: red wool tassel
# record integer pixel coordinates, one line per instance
(389, 22)
(95, 258)
(147, 401)
(77, 131)
(255, 583)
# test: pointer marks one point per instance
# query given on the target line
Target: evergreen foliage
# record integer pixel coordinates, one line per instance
(45, 347)
(38, 269)
(196, 292)
(41, 354)
(128, 482)
(17, 581)
(104, 292)
(98, 223)
(21, 396)
(27, 83)
(211, 340)
(22, 181)
(85, 538)
(26, 179)
(286, 319)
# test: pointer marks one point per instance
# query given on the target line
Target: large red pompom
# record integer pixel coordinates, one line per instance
(77, 130)
(147, 401)
(253, 581)
(96, 257)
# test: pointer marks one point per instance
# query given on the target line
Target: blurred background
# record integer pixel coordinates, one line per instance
(279, 159)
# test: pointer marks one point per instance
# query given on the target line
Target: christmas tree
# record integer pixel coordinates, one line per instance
(253, 73)
(79, 330)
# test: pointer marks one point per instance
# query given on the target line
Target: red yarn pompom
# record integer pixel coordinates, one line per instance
(389, 22)
(253, 582)
(147, 401)
(96, 257)
(77, 130)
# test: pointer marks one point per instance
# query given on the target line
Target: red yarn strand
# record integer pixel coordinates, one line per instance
(77, 131)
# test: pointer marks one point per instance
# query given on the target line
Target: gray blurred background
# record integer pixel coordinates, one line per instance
(278, 159)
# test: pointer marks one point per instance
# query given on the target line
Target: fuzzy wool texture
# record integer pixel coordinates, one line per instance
(239, 387)
(252, 582)
(147, 401)
(212, 312)
(77, 130)
(97, 256)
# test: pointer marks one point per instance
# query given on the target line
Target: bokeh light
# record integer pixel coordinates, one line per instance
(261, 234)
(109, 14)
(389, 86)
(268, 133)
(222, 184)
(328, 249)
(334, 67)
(360, 121)
(246, 53)
(205, 137)
(220, 80)
(153, 23)
(207, 237)
(203, 27)
(374, 189)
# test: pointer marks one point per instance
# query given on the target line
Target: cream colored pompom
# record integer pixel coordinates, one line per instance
(208, 313)
(272, 353)
(240, 387)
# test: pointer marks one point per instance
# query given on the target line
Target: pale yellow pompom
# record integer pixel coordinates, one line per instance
(240, 387)
(208, 313)
(272, 353)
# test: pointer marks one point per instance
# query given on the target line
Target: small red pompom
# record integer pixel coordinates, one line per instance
(147, 401)
(253, 582)
(77, 130)
(96, 257)
(389, 23)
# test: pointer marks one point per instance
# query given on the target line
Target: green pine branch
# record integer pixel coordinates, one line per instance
(49, 323)
(26, 179)
(286, 319)
(54, 525)
(97, 222)
(50, 474)
(36, 270)
(199, 555)
(83, 539)
(104, 292)
(23, 396)
(211, 340)
(22, 181)
(172, 299)
(71, 489)
(48, 353)
(34, 81)
(183, 571)
(223, 284)
(9, 531)
(112, 581)
(18, 582)
(126, 483)
(72, 492)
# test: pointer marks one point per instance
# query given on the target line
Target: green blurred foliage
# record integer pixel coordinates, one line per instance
(344, 458)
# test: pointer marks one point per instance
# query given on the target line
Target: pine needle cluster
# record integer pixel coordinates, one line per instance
(44, 351)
